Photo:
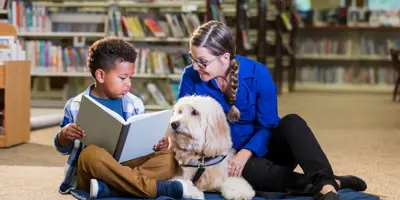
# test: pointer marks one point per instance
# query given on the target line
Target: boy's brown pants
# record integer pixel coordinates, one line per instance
(133, 178)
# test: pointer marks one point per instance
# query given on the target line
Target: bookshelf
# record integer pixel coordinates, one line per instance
(271, 42)
(356, 60)
(269, 47)
(57, 81)
(14, 96)
(70, 79)
(346, 49)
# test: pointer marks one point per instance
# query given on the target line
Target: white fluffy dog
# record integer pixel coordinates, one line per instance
(200, 137)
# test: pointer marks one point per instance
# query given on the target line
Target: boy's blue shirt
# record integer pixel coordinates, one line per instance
(131, 105)
(112, 104)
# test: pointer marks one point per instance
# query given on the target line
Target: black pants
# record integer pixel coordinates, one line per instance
(292, 143)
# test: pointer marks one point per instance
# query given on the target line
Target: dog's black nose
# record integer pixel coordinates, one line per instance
(175, 125)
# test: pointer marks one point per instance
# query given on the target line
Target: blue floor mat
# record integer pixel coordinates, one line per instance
(345, 194)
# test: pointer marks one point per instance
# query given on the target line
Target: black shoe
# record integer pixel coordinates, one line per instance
(352, 182)
(327, 196)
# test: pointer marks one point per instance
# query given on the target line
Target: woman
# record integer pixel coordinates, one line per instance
(269, 148)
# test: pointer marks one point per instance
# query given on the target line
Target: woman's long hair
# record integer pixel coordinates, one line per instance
(218, 39)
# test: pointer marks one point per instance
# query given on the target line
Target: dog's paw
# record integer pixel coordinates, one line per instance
(237, 189)
(190, 191)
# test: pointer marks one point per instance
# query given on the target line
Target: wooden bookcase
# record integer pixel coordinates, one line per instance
(15, 80)
(15, 87)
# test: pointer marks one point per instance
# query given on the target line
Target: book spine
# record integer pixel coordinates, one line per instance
(121, 141)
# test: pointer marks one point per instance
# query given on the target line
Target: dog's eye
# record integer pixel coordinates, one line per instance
(194, 112)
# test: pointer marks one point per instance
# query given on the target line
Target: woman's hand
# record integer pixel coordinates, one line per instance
(162, 145)
(237, 162)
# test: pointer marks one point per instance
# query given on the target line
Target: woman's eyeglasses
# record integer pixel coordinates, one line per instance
(200, 64)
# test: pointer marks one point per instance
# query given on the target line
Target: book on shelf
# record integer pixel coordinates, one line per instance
(370, 75)
(124, 139)
(362, 47)
(10, 49)
(162, 63)
(156, 91)
(153, 24)
(325, 46)
(351, 16)
(28, 17)
(4, 4)
(50, 55)
(157, 95)
(286, 21)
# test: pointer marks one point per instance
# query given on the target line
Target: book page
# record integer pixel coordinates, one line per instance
(142, 116)
(101, 128)
(107, 110)
(144, 133)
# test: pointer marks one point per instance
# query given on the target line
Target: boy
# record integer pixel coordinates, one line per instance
(112, 64)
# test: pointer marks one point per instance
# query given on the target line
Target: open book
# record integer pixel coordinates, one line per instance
(125, 140)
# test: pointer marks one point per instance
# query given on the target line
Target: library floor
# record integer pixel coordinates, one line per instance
(359, 132)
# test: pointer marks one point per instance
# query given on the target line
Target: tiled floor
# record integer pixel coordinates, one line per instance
(360, 134)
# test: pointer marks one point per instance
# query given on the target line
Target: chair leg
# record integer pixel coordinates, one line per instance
(396, 88)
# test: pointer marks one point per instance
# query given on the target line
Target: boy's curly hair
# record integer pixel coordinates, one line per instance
(104, 53)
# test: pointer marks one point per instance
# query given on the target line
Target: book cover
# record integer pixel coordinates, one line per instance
(123, 139)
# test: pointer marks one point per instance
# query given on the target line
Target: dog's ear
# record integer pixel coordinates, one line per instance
(217, 135)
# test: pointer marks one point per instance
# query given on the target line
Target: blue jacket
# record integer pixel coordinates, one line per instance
(256, 100)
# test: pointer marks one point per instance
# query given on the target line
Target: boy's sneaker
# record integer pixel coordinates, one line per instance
(98, 189)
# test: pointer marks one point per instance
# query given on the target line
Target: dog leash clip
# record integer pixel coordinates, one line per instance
(201, 164)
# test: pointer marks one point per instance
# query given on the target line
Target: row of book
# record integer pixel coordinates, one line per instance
(33, 18)
(153, 24)
(341, 75)
(48, 55)
(156, 92)
(380, 47)
(324, 46)
(28, 17)
(351, 16)
(332, 46)
(158, 62)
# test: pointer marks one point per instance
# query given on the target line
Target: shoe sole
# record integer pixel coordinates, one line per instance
(94, 188)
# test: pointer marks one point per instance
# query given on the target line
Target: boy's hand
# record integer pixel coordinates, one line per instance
(69, 133)
(162, 145)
